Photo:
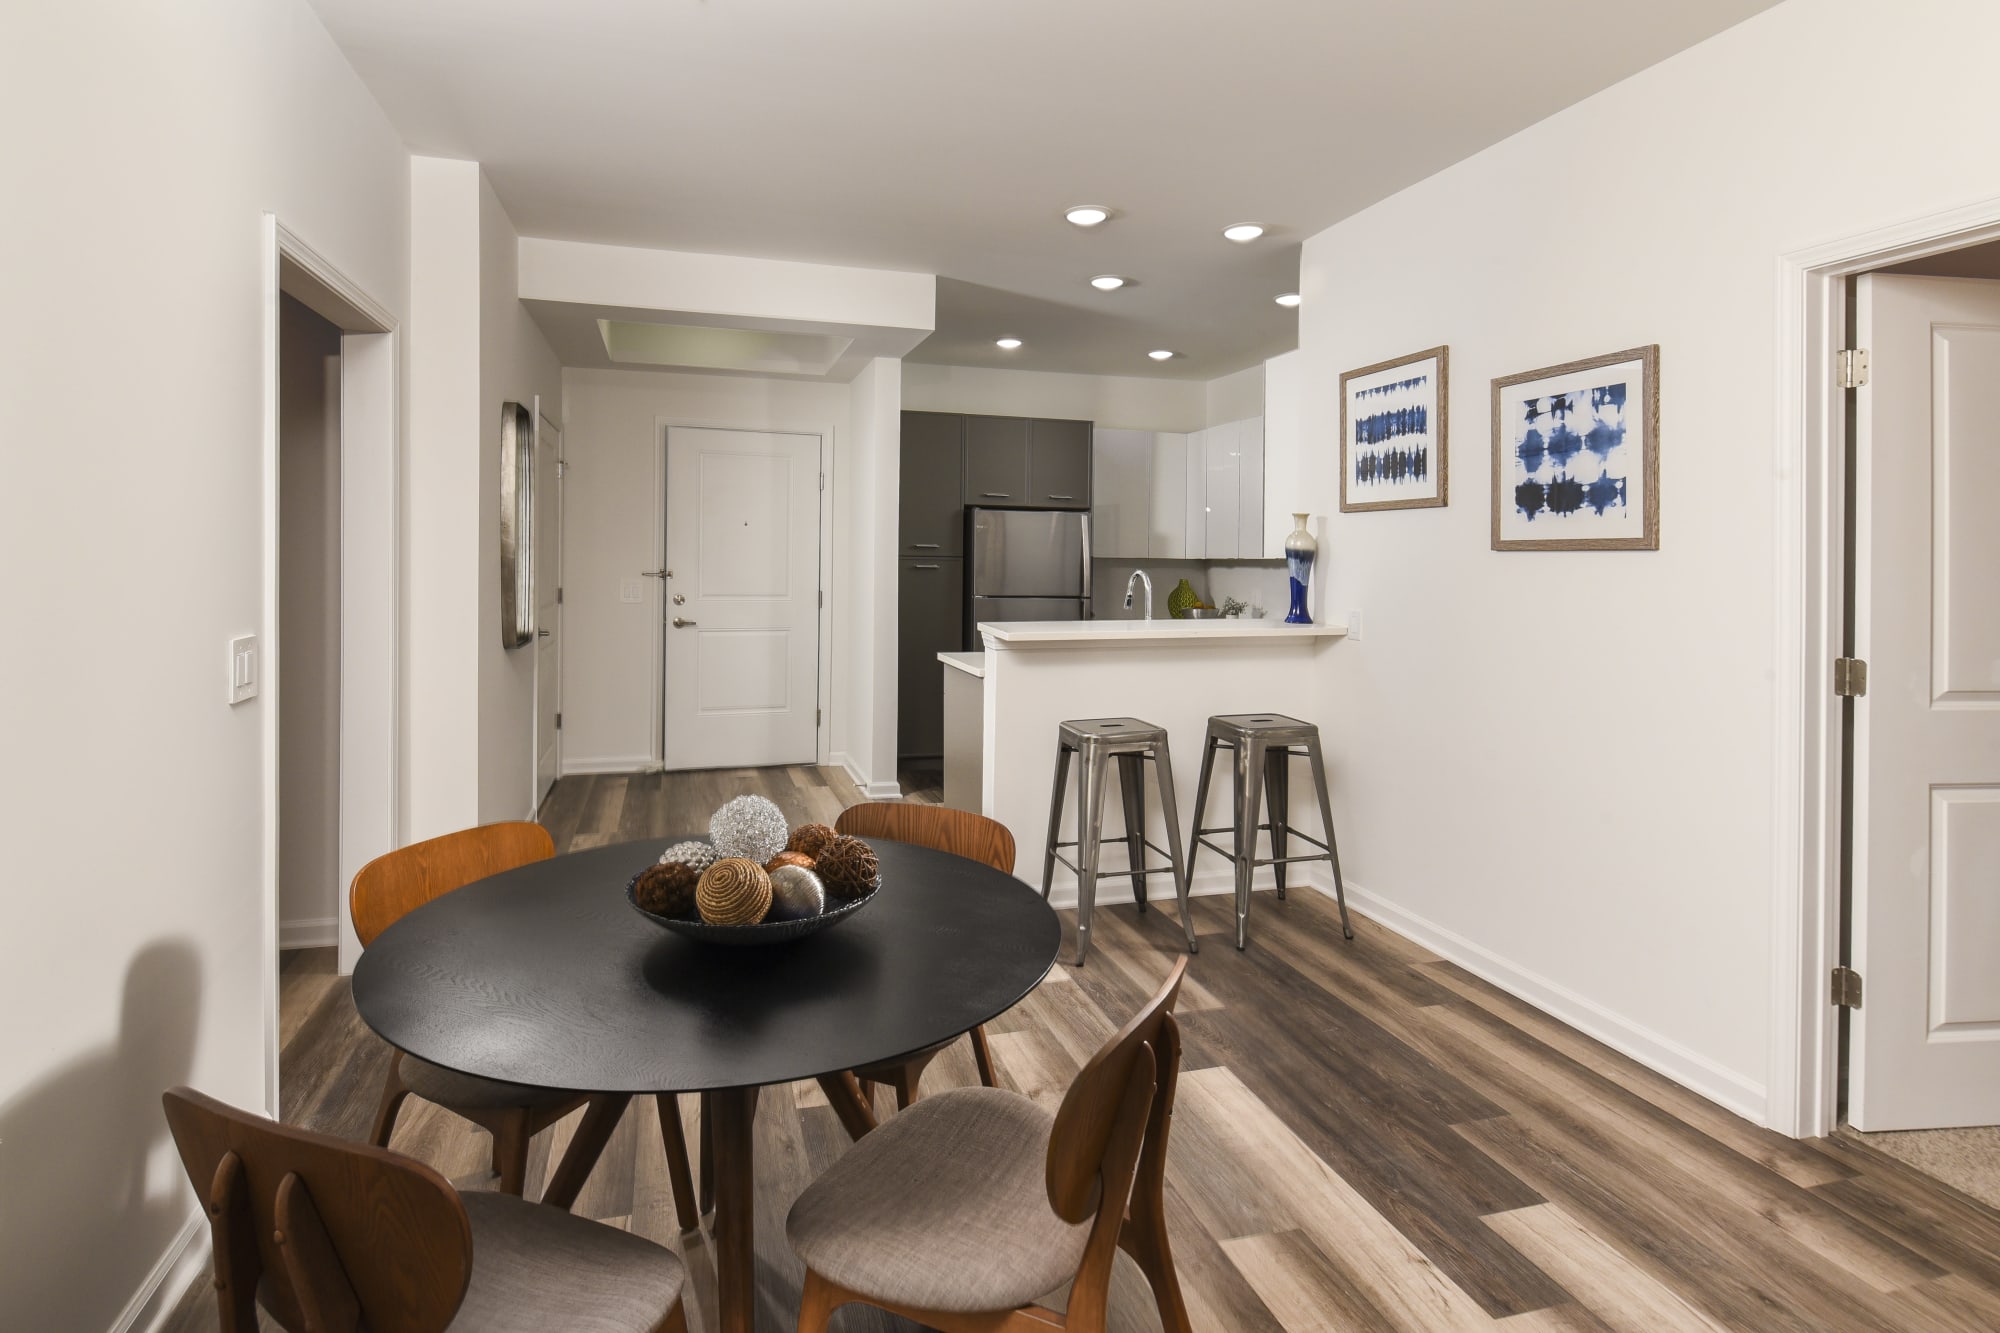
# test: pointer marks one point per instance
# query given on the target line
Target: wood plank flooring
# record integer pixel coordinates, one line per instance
(1367, 1138)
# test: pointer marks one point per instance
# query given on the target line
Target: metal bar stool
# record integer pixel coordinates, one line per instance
(1096, 742)
(1263, 745)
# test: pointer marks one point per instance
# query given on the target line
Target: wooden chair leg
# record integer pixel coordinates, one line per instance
(906, 1091)
(600, 1120)
(983, 1057)
(707, 1154)
(676, 1320)
(817, 1303)
(673, 1137)
(510, 1151)
(393, 1093)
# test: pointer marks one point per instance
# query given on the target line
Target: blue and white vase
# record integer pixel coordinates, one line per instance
(1300, 551)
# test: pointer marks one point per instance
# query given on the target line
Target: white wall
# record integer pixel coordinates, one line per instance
(614, 424)
(145, 146)
(1560, 767)
(1233, 397)
(309, 607)
(1114, 401)
(862, 590)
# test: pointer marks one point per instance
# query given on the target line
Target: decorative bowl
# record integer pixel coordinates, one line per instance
(1204, 613)
(764, 932)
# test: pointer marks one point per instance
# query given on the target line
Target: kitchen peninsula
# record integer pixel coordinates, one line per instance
(1176, 673)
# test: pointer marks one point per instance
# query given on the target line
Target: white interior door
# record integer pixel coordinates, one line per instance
(548, 605)
(1925, 1044)
(742, 598)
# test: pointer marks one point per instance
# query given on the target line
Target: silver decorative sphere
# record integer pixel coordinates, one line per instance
(750, 827)
(697, 854)
(796, 894)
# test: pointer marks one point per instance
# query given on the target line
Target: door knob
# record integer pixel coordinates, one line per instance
(681, 622)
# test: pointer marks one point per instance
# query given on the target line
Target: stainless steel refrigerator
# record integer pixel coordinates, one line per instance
(1025, 564)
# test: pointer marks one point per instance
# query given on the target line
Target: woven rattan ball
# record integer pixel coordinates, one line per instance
(699, 855)
(733, 892)
(751, 827)
(799, 859)
(796, 894)
(810, 839)
(667, 889)
(848, 868)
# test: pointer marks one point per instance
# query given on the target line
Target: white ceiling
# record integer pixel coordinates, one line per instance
(947, 136)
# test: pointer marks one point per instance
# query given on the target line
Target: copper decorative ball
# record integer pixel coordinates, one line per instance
(733, 892)
(667, 889)
(810, 839)
(799, 859)
(848, 868)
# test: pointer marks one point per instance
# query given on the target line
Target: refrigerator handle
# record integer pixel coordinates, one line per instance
(1087, 587)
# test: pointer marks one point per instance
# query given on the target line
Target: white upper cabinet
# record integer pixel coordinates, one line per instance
(1284, 453)
(1160, 495)
(1169, 537)
(1121, 492)
(1250, 543)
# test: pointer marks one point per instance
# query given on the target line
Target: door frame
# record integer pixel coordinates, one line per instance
(535, 712)
(828, 598)
(370, 725)
(1812, 557)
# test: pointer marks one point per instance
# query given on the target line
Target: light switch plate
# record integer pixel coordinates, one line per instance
(631, 590)
(243, 669)
(1354, 627)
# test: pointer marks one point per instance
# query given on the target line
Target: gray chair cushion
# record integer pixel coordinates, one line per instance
(944, 1208)
(450, 1089)
(536, 1269)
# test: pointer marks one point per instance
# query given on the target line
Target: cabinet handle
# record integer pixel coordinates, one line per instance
(926, 566)
(996, 495)
(1062, 497)
(923, 546)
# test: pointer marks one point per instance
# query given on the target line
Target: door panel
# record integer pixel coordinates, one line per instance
(996, 460)
(932, 593)
(1059, 464)
(1924, 1049)
(931, 510)
(742, 666)
(1028, 553)
(548, 611)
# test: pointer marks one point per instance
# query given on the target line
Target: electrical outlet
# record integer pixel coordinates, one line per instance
(1354, 627)
(242, 669)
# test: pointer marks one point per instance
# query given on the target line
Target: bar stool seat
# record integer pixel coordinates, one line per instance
(1263, 745)
(1098, 742)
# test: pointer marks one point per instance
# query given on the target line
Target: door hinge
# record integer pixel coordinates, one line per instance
(1846, 988)
(562, 469)
(558, 596)
(822, 481)
(1850, 677)
(816, 713)
(1853, 367)
(558, 721)
(822, 598)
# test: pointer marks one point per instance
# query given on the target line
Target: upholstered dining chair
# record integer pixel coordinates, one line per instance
(331, 1235)
(401, 881)
(963, 1210)
(961, 833)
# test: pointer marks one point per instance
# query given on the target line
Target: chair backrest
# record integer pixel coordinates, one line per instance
(1101, 1098)
(397, 882)
(959, 832)
(341, 1234)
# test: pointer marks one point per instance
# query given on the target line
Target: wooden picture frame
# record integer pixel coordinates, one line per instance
(1570, 445)
(517, 526)
(1403, 405)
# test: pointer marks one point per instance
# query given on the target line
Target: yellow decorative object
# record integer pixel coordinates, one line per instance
(733, 892)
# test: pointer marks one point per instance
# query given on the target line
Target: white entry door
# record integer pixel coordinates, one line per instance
(1925, 1044)
(548, 606)
(742, 598)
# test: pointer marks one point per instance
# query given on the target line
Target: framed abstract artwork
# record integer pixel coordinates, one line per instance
(517, 526)
(1392, 433)
(1576, 455)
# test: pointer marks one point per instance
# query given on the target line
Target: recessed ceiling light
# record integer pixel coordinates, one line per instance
(1108, 282)
(1007, 344)
(1161, 354)
(1288, 299)
(1243, 231)
(1088, 215)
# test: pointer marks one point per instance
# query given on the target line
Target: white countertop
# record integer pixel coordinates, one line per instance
(972, 664)
(1114, 633)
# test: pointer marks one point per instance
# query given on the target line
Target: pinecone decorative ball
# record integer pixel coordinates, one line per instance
(810, 840)
(697, 855)
(733, 892)
(667, 889)
(848, 868)
(750, 827)
(799, 859)
(796, 894)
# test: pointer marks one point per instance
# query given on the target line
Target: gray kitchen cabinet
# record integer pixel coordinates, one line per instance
(1059, 464)
(931, 507)
(931, 604)
(996, 461)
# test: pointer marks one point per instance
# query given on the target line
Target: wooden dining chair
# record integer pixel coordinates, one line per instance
(338, 1236)
(401, 881)
(960, 1212)
(961, 833)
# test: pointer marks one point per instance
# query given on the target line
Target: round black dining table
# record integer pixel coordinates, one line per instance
(546, 975)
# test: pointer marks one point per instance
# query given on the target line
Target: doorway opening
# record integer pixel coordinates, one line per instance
(329, 638)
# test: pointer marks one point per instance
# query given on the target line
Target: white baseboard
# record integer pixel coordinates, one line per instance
(1663, 1055)
(153, 1305)
(616, 763)
(874, 791)
(309, 933)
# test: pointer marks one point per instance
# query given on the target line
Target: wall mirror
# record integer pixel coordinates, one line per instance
(517, 525)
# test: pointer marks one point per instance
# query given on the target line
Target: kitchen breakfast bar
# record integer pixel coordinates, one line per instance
(1035, 675)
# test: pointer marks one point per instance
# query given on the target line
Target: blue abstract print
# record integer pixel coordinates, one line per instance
(1571, 458)
(1390, 438)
